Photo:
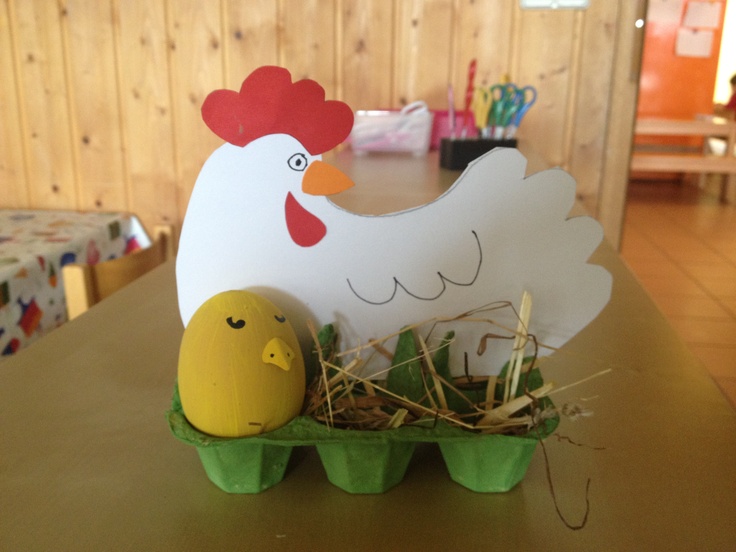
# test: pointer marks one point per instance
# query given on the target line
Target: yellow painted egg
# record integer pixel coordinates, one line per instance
(241, 371)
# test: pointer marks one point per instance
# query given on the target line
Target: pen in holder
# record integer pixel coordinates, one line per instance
(450, 125)
(497, 111)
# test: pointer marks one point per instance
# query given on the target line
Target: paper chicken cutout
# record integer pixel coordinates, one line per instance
(259, 219)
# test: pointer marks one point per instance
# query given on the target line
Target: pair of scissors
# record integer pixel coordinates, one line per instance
(499, 109)
(504, 107)
(524, 99)
(482, 103)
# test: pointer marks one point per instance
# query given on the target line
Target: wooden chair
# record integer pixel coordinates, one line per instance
(86, 285)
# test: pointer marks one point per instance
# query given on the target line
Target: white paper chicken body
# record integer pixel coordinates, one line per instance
(259, 219)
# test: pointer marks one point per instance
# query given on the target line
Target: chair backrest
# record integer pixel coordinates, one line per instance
(86, 285)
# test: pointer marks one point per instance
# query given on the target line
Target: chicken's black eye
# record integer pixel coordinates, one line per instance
(280, 318)
(235, 324)
(298, 162)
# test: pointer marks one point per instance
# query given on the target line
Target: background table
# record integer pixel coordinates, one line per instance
(34, 245)
(87, 461)
(704, 127)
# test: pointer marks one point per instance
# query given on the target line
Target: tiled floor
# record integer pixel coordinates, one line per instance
(681, 244)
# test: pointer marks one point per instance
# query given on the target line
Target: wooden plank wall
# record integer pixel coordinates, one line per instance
(100, 99)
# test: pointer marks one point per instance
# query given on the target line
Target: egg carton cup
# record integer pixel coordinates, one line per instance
(361, 461)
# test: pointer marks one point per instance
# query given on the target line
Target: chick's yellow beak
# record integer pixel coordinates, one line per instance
(278, 352)
(322, 178)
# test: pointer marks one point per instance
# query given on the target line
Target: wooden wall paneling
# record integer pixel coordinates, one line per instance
(619, 130)
(95, 104)
(195, 70)
(146, 111)
(307, 41)
(516, 45)
(546, 42)
(593, 96)
(573, 79)
(250, 38)
(483, 31)
(100, 99)
(43, 94)
(13, 187)
(366, 62)
(423, 51)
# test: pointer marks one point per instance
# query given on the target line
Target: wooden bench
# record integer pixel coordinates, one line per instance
(703, 163)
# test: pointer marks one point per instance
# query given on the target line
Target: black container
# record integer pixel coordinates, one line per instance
(455, 154)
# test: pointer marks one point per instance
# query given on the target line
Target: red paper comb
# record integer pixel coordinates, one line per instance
(268, 103)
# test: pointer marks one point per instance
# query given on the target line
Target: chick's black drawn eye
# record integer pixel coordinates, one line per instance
(298, 162)
(280, 318)
(235, 324)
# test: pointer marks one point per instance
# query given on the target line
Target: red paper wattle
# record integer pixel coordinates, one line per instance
(269, 103)
(304, 228)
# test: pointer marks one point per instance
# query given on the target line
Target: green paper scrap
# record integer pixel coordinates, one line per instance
(441, 358)
(327, 338)
(405, 376)
(441, 362)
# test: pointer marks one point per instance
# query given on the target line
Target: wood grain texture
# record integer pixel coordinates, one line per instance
(95, 108)
(483, 31)
(100, 99)
(43, 93)
(250, 38)
(196, 69)
(12, 163)
(589, 113)
(308, 49)
(619, 130)
(423, 42)
(546, 42)
(146, 115)
(366, 56)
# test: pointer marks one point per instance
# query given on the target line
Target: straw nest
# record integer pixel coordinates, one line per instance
(418, 389)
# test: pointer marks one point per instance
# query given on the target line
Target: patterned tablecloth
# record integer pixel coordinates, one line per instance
(34, 245)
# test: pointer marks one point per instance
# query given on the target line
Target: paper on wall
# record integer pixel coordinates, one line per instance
(694, 43)
(665, 12)
(702, 15)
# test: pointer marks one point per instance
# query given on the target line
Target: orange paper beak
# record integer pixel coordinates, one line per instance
(324, 179)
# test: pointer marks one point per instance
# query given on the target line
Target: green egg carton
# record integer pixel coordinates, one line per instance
(359, 462)
(369, 462)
